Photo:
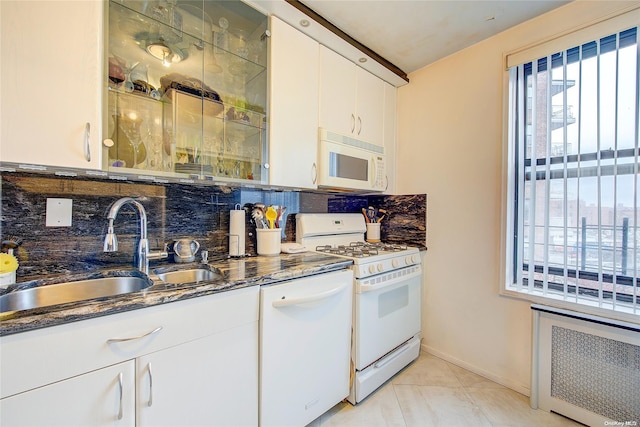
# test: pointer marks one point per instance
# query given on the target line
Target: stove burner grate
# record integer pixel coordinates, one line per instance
(361, 249)
(354, 251)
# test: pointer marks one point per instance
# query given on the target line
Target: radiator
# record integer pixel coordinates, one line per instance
(585, 367)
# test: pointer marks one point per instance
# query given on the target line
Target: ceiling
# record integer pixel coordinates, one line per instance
(414, 33)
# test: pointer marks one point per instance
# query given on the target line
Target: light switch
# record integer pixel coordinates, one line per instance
(59, 212)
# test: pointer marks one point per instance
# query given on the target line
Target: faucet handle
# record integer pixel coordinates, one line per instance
(205, 256)
(161, 254)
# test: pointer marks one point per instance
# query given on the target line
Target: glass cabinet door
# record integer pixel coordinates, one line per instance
(187, 85)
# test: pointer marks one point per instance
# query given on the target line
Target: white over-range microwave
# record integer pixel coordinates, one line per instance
(350, 164)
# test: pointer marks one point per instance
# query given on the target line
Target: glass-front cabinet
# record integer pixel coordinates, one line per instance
(187, 89)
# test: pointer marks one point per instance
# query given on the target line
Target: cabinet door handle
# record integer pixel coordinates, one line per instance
(120, 386)
(87, 142)
(353, 122)
(314, 173)
(311, 298)
(359, 124)
(150, 385)
(115, 340)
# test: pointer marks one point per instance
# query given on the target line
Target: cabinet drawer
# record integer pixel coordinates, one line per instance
(33, 359)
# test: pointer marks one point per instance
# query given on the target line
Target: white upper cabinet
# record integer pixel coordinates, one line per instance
(369, 107)
(390, 101)
(351, 99)
(51, 82)
(293, 107)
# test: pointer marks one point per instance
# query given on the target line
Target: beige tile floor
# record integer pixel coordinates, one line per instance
(432, 392)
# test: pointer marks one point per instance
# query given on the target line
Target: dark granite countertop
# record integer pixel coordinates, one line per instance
(234, 274)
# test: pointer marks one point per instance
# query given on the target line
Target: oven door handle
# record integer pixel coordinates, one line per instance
(283, 302)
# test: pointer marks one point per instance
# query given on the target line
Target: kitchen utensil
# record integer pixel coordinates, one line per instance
(271, 216)
(185, 250)
(366, 217)
(372, 214)
(280, 210)
(258, 217)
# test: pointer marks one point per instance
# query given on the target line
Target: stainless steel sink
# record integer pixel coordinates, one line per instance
(81, 290)
(187, 276)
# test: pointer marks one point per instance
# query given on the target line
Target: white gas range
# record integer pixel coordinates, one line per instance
(387, 300)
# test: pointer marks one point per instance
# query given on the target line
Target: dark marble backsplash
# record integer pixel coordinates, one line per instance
(174, 211)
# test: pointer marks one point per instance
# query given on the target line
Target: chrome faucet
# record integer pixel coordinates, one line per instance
(143, 254)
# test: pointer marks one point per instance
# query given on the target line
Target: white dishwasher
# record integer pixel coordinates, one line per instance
(305, 344)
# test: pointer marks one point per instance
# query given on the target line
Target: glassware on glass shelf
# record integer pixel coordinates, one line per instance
(219, 168)
(116, 72)
(211, 146)
(139, 72)
(221, 38)
(212, 63)
(128, 147)
(154, 148)
(128, 83)
(241, 47)
(165, 12)
(255, 51)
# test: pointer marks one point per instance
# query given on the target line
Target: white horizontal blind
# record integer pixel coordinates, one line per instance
(576, 120)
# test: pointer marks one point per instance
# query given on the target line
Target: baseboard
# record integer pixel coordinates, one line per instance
(520, 388)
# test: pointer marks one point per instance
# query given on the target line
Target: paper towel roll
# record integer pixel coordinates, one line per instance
(236, 232)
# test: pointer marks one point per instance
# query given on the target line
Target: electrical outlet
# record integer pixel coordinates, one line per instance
(59, 212)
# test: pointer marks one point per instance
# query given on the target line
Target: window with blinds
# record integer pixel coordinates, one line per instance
(575, 190)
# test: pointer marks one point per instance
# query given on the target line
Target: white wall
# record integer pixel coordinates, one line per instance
(450, 127)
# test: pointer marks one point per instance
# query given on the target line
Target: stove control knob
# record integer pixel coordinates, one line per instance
(372, 269)
(395, 263)
(380, 267)
(407, 260)
(414, 259)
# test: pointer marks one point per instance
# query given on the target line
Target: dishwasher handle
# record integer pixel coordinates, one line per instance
(310, 298)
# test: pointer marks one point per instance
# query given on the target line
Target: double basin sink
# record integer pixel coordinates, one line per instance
(125, 282)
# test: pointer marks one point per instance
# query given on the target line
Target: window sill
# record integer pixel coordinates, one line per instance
(583, 305)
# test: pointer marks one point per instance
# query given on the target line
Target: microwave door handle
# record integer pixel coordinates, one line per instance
(372, 171)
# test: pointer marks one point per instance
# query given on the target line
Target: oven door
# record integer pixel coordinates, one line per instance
(387, 310)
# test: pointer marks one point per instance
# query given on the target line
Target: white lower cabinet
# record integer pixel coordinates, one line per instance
(189, 363)
(104, 397)
(212, 381)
